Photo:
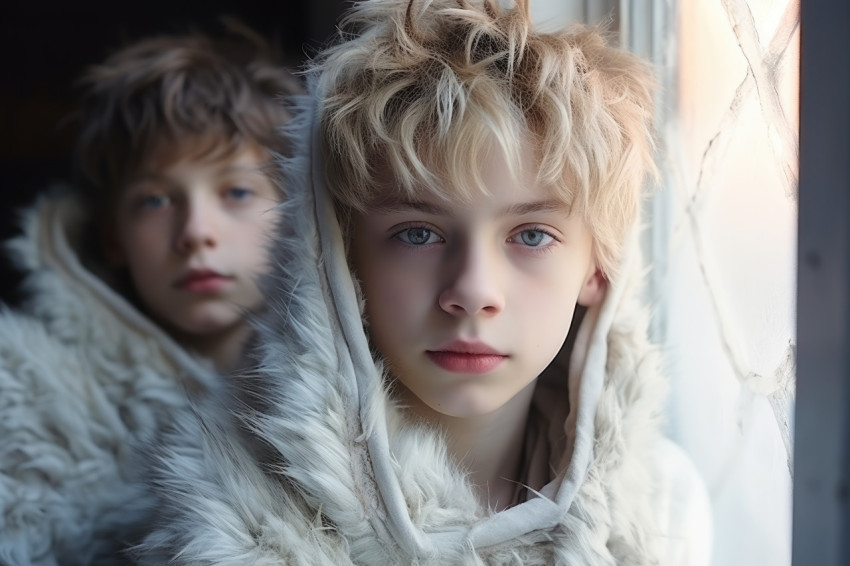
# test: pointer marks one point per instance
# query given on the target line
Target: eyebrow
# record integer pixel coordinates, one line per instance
(404, 206)
(139, 178)
(259, 168)
(520, 209)
(551, 205)
(154, 177)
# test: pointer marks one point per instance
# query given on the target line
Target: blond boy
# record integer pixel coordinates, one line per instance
(454, 370)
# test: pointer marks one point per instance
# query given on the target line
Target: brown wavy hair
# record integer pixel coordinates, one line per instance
(223, 91)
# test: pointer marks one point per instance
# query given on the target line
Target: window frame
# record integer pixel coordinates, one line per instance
(822, 436)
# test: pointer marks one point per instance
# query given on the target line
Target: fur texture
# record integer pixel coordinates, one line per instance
(307, 461)
(86, 382)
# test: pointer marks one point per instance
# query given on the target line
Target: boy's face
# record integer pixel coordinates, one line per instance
(470, 301)
(192, 232)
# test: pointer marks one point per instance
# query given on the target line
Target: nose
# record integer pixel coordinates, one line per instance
(472, 286)
(196, 227)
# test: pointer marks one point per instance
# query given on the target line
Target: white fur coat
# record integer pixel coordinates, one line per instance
(86, 382)
(307, 461)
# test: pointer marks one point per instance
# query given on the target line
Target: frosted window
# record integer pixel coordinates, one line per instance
(723, 245)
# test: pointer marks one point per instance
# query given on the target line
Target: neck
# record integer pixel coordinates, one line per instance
(489, 447)
(225, 348)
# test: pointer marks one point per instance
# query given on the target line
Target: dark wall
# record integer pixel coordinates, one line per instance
(45, 46)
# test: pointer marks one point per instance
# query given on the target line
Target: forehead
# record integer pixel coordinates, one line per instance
(509, 185)
(211, 154)
(164, 151)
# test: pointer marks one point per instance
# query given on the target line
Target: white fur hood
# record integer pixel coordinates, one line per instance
(306, 461)
(85, 380)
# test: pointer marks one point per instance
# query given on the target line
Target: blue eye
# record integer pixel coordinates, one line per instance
(154, 202)
(534, 238)
(238, 193)
(418, 236)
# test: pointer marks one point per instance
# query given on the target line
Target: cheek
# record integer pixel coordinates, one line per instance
(397, 290)
(249, 241)
(393, 290)
(143, 246)
(537, 297)
(253, 248)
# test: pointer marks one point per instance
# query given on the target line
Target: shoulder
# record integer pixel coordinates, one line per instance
(68, 458)
(60, 457)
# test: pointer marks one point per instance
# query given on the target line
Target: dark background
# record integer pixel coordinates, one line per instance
(45, 47)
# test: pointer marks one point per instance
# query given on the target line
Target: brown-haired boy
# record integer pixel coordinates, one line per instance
(138, 286)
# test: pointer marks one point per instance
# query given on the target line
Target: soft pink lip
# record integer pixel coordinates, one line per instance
(468, 347)
(459, 356)
(202, 280)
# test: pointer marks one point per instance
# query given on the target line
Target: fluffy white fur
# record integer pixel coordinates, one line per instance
(306, 460)
(86, 382)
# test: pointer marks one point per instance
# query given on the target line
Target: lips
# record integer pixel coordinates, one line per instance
(467, 357)
(203, 281)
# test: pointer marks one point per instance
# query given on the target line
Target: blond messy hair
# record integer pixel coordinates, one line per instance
(423, 88)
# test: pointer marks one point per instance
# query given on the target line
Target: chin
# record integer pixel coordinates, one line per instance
(465, 408)
(208, 323)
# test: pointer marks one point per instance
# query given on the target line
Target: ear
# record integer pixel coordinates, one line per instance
(113, 251)
(593, 290)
